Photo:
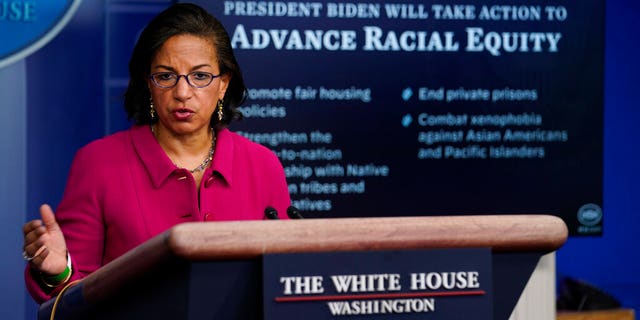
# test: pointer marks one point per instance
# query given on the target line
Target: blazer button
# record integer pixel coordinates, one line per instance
(209, 182)
(206, 216)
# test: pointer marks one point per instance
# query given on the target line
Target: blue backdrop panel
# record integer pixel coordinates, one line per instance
(13, 187)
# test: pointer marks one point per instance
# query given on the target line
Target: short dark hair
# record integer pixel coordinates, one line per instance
(178, 19)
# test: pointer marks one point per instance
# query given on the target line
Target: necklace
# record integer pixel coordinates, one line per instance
(206, 161)
(209, 157)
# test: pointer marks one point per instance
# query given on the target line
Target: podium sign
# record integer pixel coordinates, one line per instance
(405, 284)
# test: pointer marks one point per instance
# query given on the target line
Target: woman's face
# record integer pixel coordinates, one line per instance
(184, 109)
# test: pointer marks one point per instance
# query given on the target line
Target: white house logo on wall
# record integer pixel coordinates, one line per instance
(590, 218)
(27, 25)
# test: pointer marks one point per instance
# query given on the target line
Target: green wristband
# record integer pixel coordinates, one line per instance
(56, 280)
(59, 277)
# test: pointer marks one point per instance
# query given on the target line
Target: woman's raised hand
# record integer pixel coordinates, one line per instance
(44, 245)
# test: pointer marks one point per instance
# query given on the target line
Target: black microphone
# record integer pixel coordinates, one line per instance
(270, 213)
(294, 213)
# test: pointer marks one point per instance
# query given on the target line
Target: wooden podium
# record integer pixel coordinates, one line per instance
(212, 270)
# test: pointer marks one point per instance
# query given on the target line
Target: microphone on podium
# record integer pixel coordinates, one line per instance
(294, 213)
(270, 213)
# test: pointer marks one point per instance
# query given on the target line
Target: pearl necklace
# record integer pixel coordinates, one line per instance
(205, 163)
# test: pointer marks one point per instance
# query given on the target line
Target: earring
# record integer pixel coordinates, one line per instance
(220, 111)
(152, 112)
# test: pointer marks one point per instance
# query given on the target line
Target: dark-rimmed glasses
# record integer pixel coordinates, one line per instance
(196, 79)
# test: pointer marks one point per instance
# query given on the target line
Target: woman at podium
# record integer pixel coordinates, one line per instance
(177, 163)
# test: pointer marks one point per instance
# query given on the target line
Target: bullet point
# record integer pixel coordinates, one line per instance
(407, 94)
(407, 120)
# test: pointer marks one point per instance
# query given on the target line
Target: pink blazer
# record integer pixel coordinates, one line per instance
(123, 190)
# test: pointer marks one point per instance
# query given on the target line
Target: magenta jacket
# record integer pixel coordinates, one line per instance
(123, 189)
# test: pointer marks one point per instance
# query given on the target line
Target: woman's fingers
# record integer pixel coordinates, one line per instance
(41, 254)
(33, 230)
(31, 225)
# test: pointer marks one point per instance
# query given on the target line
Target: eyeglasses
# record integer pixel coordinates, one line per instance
(196, 79)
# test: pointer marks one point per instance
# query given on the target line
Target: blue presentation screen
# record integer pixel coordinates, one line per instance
(381, 108)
